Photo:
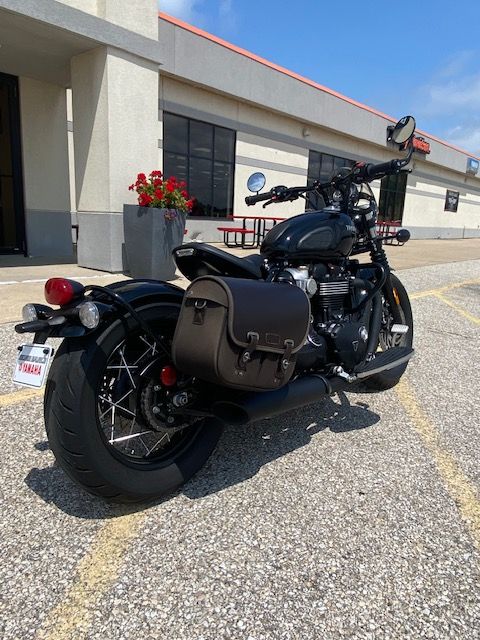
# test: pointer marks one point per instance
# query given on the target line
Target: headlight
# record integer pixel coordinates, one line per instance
(88, 314)
(29, 313)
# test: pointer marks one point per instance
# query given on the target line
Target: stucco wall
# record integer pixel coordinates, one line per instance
(278, 146)
(140, 16)
(424, 212)
(45, 167)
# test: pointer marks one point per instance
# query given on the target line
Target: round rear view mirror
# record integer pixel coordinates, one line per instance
(256, 182)
(403, 130)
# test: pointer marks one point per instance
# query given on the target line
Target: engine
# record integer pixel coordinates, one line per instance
(338, 333)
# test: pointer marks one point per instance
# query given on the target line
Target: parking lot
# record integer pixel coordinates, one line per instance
(358, 517)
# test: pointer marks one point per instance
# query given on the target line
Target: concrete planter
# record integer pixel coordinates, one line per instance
(149, 241)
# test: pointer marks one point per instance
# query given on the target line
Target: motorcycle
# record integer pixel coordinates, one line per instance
(148, 374)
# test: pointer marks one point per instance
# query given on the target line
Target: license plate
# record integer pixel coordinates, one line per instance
(32, 364)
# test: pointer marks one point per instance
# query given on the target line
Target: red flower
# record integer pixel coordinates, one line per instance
(144, 199)
(158, 191)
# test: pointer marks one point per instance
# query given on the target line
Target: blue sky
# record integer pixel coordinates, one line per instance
(420, 57)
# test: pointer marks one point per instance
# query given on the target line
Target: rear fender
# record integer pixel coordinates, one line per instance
(64, 323)
(137, 292)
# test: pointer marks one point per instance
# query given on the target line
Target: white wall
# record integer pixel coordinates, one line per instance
(140, 16)
(45, 167)
(424, 212)
(274, 144)
(44, 144)
(257, 151)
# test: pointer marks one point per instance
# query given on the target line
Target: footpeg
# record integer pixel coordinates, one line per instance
(399, 328)
(384, 361)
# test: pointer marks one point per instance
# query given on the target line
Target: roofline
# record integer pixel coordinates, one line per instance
(252, 56)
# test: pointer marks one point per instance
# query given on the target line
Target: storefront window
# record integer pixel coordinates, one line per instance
(392, 198)
(321, 166)
(203, 155)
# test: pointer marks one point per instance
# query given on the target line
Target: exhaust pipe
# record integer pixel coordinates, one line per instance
(256, 406)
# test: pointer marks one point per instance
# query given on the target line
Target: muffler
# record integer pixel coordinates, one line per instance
(257, 406)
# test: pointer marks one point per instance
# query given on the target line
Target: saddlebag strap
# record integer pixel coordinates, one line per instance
(199, 313)
(246, 354)
(285, 359)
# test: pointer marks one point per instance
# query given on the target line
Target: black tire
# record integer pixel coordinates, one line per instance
(73, 426)
(388, 379)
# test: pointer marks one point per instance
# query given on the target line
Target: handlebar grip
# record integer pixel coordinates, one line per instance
(373, 170)
(249, 200)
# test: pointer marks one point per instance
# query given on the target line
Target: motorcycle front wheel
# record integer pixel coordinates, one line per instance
(102, 418)
(388, 379)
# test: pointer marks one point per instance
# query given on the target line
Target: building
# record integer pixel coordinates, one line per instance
(94, 91)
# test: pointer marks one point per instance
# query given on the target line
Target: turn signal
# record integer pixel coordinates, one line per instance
(168, 376)
(61, 291)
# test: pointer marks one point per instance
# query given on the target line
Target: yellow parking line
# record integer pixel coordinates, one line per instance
(9, 399)
(97, 571)
(461, 489)
(448, 287)
(458, 309)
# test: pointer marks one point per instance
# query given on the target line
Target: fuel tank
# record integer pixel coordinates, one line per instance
(313, 235)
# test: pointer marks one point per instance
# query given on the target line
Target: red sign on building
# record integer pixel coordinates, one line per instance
(420, 144)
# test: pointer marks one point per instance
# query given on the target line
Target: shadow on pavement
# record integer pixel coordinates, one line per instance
(241, 453)
(52, 485)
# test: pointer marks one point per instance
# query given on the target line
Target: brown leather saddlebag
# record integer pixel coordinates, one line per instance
(241, 333)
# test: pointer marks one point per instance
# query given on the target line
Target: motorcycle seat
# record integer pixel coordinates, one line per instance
(196, 259)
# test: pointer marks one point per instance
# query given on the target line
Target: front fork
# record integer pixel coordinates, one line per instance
(378, 255)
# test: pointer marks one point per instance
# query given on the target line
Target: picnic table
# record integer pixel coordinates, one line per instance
(250, 233)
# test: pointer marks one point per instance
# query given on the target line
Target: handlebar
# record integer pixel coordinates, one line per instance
(369, 171)
(277, 194)
(360, 172)
(249, 200)
(377, 170)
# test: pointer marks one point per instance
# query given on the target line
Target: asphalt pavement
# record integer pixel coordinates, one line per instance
(357, 517)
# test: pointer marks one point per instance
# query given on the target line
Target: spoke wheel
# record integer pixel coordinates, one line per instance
(387, 340)
(110, 421)
(129, 404)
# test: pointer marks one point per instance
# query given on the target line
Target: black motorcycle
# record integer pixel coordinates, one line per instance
(147, 374)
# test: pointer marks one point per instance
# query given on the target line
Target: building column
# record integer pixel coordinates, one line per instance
(115, 123)
(45, 168)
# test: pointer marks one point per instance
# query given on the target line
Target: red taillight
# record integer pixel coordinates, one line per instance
(59, 291)
(168, 376)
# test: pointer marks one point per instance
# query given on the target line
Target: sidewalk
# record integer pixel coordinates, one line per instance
(22, 279)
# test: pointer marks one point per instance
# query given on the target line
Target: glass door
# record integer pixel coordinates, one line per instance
(12, 219)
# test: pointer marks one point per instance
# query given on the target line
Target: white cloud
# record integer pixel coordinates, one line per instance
(183, 9)
(227, 15)
(456, 63)
(466, 137)
(448, 97)
(220, 16)
(454, 87)
(449, 103)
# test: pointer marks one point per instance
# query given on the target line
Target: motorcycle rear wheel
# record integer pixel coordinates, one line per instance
(92, 401)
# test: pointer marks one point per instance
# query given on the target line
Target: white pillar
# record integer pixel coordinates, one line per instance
(140, 16)
(115, 124)
(45, 168)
